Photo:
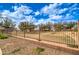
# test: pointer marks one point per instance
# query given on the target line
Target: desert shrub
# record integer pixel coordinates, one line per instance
(38, 50)
(72, 45)
(3, 36)
(16, 50)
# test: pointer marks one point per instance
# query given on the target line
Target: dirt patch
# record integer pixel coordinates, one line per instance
(15, 46)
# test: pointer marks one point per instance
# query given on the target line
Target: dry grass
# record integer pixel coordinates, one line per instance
(60, 37)
(15, 46)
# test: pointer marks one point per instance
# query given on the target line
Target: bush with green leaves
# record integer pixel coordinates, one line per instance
(72, 45)
(3, 36)
(38, 50)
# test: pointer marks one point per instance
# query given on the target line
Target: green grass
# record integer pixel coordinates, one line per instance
(73, 46)
(38, 50)
(3, 36)
(13, 52)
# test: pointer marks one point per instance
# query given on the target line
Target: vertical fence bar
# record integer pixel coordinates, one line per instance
(16, 32)
(24, 33)
(77, 40)
(39, 33)
(78, 33)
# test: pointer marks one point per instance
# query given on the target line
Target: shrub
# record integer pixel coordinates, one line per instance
(38, 50)
(73, 46)
(3, 36)
(16, 50)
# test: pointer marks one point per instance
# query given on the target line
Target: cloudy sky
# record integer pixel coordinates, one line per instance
(40, 12)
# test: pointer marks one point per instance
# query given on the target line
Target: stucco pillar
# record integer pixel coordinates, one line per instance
(0, 51)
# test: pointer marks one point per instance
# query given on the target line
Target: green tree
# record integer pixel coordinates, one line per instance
(8, 24)
(70, 25)
(58, 26)
(26, 26)
(31, 26)
(23, 26)
(46, 26)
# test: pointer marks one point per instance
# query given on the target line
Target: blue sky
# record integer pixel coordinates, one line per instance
(40, 12)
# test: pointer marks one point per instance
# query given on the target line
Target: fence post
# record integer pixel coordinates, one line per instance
(24, 33)
(78, 33)
(16, 32)
(39, 33)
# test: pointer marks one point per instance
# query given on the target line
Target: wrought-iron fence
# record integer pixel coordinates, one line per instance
(65, 36)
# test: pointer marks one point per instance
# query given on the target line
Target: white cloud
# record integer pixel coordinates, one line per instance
(5, 13)
(18, 13)
(44, 21)
(73, 7)
(51, 9)
(45, 10)
(62, 10)
(30, 18)
(55, 16)
(15, 8)
(37, 13)
(70, 20)
(68, 16)
(41, 21)
(54, 12)
(24, 9)
(53, 5)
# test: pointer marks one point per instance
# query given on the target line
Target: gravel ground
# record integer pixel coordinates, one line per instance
(15, 46)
